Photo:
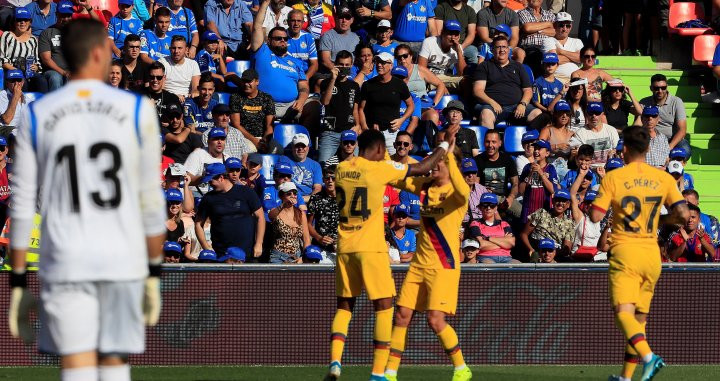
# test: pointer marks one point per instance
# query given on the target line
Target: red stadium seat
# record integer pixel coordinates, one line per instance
(704, 49)
(680, 12)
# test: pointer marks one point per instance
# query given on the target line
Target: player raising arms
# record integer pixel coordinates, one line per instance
(432, 281)
(362, 259)
(636, 193)
(89, 154)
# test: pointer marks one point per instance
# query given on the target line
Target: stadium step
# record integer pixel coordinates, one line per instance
(626, 62)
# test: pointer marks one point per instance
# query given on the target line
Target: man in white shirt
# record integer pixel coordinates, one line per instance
(198, 159)
(567, 48)
(88, 154)
(13, 106)
(602, 137)
(443, 54)
(277, 15)
(182, 75)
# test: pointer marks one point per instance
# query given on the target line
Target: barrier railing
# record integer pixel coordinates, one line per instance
(507, 314)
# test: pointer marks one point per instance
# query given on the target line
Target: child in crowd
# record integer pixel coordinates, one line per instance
(583, 158)
(548, 88)
(404, 238)
(470, 249)
(680, 155)
(537, 181)
(528, 140)
(548, 249)
(209, 58)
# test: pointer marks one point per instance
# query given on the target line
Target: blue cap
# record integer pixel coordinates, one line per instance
(210, 36)
(207, 255)
(313, 253)
(172, 246)
(233, 252)
(550, 58)
(173, 194)
(562, 193)
(3, 141)
(233, 163)
(590, 195)
(561, 105)
(678, 153)
(546, 243)
(348, 136)
(212, 170)
(14, 74)
(399, 71)
(469, 165)
(530, 136)
(283, 168)
(65, 7)
(614, 163)
(217, 133)
(452, 25)
(620, 145)
(22, 13)
(542, 144)
(595, 107)
(504, 28)
(125, 2)
(489, 198)
(651, 111)
(402, 208)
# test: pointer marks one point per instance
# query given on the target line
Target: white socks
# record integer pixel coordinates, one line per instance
(115, 373)
(89, 373)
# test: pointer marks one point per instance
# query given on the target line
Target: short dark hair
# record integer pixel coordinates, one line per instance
(343, 54)
(499, 37)
(406, 47)
(370, 139)
(658, 78)
(205, 78)
(328, 169)
(78, 38)
(636, 139)
(178, 37)
(691, 192)
(586, 150)
(273, 30)
(156, 66)
(692, 207)
(162, 11)
(117, 63)
(132, 37)
(492, 131)
(404, 133)
(585, 49)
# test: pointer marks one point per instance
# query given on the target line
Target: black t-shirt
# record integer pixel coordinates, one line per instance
(135, 80)
(162, 99)
(495, 175)
(339, 112)
(504, 84)
(180, 152)
(253, 111)
(619, 118)
(466, 139)
(231, 218)
(382, 100)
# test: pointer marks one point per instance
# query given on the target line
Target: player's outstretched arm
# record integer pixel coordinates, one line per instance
(423, 167)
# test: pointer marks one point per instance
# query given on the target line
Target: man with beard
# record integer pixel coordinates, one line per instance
(198, 110)
(253, 110)
(280, 74)
(183, 74)
(133, 70)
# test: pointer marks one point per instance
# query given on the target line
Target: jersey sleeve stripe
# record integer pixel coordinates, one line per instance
(138, 102)
(33, 126)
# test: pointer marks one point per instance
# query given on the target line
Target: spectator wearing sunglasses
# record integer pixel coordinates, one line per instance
(444, 56)
(601, 136)
(156, 91)
(282, 173)
(13, 105)
(289, 227)
(659, 151)
(348, 144)
(594, 77)
(494, 235)
(617, 106)
(672, 118)
(466, 139)
(467, 17)
(339, 95)
(469, 170)
(338, 39)
(567, 48)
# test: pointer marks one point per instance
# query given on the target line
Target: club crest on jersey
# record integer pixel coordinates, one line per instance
(182, 18)
(303, 45)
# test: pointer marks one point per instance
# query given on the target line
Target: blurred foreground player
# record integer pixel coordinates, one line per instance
(432, 281)
(92, 152)
(362, 259)
(636, 193)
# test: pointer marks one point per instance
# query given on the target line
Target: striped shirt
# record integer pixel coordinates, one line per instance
(659, 150)
(11, 50)
(536, 39)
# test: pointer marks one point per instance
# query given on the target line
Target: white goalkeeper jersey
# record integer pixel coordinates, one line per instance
(88, 155)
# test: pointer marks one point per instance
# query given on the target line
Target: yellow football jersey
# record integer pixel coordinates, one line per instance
(360, 185)
(636, 193)
(442, 209)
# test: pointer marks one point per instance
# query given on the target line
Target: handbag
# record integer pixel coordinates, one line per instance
(584, 253)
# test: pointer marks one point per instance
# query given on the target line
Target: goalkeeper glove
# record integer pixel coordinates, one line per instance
(21, 303)
(151, 300)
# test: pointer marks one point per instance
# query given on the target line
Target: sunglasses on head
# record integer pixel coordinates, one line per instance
(279, 38)
(401, 144)
(660, 88)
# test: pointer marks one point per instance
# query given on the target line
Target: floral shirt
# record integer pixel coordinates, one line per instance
(325, 213)
(559, 229)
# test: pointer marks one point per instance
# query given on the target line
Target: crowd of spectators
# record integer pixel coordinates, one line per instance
(340, 68)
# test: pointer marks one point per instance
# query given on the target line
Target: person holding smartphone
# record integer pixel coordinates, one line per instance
(340, 98)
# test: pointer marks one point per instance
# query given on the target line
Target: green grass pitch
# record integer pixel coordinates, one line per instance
(361, 373)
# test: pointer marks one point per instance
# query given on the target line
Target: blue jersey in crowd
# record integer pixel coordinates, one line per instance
(545, 91)
(201, 117)
(182, 23)
(411, 23)
(271, 199)
(279, 76)
(377, 48)
(417, 111)
(119, 28)
(407, 242)
(572, 174)
(154, 46)
(206, 62)
(412, 200)
(354, 71)
(303, 48)
(688, 181)
(305, 175)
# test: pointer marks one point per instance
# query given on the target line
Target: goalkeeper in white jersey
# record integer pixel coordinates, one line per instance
(88, 155)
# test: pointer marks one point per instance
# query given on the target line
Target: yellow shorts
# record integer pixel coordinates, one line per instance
(633, 273)
(430, 289)
(368, 269)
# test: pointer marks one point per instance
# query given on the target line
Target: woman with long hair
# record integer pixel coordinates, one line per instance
(594, 77)
(617, 106)
(364, 67)
(558, 134)
(289, 227)
(174, 223)
(576, 97)
(19, 50)
(418, 79)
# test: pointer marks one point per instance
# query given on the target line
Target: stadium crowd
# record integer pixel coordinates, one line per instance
(229, 77)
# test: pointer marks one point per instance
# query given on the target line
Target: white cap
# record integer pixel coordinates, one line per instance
(563, 16)
(386, 57)
(301, 138)
(384, 24)
(615, 83)
(287, 187)
(675, 166)
(470, 243)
